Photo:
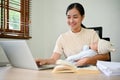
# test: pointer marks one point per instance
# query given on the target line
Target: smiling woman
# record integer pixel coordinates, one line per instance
(72, 41)
(75, 14)
(74, 20)
(14, 19)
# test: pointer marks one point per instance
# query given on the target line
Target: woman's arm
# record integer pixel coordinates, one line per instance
(51, 60)
(92, 60)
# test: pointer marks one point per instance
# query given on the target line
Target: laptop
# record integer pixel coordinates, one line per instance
(20, 56)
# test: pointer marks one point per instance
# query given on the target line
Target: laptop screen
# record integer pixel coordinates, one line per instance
(19, 54)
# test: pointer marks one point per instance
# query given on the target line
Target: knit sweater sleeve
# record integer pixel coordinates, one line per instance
(58, 46)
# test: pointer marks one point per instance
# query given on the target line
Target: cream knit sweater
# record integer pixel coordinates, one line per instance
(70, 43)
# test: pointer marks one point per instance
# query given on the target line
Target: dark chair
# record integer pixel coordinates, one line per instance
(99, 31)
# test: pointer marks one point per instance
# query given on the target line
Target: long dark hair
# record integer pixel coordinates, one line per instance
(79, 7)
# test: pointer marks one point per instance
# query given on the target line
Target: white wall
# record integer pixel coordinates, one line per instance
(105, 13)
(49, 21)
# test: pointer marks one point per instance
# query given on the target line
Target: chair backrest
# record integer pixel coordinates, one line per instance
(99, 31)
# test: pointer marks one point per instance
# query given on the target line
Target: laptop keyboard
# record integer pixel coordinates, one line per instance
(44, 67)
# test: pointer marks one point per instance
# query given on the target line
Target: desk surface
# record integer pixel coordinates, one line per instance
(10, 73)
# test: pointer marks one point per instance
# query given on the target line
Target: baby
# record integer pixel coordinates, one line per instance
(100, 47)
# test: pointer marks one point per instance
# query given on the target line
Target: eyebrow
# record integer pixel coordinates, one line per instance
(73, 15)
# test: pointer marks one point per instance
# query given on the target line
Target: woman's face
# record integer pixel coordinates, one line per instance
(74, 19)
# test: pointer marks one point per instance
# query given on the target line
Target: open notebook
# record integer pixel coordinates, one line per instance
(67, 67)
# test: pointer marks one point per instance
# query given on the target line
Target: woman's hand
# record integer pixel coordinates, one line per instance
(83, 61)
(51, 60)
(92, 60)
(41, 61)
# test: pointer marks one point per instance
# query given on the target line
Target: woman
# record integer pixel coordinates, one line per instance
(71, 42)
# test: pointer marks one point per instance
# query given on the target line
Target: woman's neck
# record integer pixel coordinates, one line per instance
(76, 30)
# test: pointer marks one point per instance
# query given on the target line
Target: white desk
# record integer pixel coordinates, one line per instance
(24, 74)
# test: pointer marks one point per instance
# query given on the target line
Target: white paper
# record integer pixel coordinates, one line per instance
(109, 68)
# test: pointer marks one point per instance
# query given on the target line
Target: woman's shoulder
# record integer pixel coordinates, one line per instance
(89, 31)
